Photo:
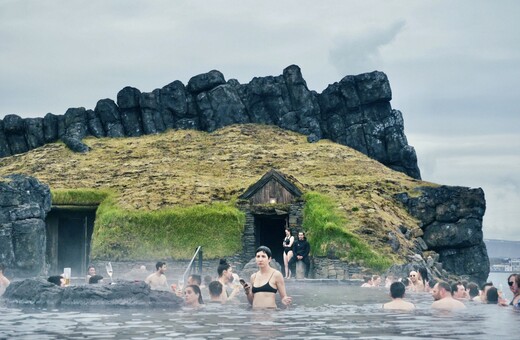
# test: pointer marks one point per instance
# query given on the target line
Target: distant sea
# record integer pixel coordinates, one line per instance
(502, 248)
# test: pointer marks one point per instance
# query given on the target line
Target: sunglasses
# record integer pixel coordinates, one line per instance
(510, 283)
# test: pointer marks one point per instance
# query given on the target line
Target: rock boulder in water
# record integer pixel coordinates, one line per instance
(40, 293)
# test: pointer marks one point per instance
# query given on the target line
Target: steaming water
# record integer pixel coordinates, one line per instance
(319, 311)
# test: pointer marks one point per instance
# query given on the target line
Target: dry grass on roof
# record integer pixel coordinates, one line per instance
(186, 167)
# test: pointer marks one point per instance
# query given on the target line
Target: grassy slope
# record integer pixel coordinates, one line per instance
(180, 169)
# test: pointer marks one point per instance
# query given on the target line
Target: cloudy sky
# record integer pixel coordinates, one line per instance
(454, 67)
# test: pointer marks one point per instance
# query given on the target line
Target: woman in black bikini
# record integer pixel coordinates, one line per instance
(265, 282)
(287, 251)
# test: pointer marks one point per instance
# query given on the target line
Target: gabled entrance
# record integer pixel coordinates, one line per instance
(270, 205)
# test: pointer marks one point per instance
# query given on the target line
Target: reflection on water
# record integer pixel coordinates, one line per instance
(321, 311)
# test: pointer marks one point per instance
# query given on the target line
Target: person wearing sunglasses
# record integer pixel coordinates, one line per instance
(416, 285)
(514, 282)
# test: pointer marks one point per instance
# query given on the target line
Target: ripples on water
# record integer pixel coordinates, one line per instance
(318, 312)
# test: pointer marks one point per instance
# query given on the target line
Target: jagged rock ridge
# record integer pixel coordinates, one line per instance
(355, 111)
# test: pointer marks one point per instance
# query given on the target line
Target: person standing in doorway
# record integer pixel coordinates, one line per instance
(301, 250)
(288, 242)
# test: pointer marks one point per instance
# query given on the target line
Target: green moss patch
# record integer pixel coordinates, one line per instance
(328, 234)
(169, 233)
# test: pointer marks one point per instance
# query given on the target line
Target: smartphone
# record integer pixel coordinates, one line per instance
(242, 282)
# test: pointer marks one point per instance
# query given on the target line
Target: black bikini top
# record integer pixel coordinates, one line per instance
(265, 288)
(287, 240)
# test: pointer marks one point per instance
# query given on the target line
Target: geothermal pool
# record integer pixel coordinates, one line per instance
(319, 311)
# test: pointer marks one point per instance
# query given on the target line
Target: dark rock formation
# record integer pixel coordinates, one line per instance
(355, 112)
(451, 218)
(40, 293)
(24, 204)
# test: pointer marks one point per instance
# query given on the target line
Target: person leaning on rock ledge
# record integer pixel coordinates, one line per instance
(4, 282)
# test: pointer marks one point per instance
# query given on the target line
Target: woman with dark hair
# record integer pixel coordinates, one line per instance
(225, 276)
(265, 282)
(193, 296)
(287, 251)
(514, 285)
(423, 277)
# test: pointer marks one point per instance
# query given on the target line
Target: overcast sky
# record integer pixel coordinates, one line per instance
(454, 67)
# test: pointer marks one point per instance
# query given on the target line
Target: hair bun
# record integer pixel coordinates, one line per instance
(222, 261)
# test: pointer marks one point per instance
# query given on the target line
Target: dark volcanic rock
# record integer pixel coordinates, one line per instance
(151, 114)
(76, 128)
(108, 114)
(451, 218)
(128, 102)
(355, 112)
(221, 107)
(14, 129)
(205, 82)
(34, 132)
(95, 127)
(24, 204)
(50, 128)
(40, 293)
(4, 145)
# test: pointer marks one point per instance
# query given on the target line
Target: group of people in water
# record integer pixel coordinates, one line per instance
(446, 296)
(260, 291)
(264, 284)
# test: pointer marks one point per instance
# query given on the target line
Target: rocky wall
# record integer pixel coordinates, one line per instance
(451, 219)
(355, 111)
(24, 204)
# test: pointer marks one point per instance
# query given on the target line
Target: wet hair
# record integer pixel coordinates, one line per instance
(95, 279)
(215, 288)
(55, 279)
(223, 265)
(464, 283)
(485, 285)
(432, 283)
(424, 273)
(405, 282)
(196, 290)
(264, 249)
(444, 285)
(455, 287)
(196, 278)
(367, 278)
(375, 277)
(397, 290)
(472, 289)
(159, 264)
(207, 279)
(492, 295)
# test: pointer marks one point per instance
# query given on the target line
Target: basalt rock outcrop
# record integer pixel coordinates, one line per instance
(451, 219)
(24, 204)
(40, 293)
(355, 111)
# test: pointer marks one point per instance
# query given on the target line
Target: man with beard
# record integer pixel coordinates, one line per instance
(443, 300)
(301, 250)
(157, 280)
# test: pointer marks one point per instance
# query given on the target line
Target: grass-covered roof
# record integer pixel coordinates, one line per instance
(185, 168)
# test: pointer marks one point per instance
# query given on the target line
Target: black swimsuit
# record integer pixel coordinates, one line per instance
(265, 288)
(286, 248)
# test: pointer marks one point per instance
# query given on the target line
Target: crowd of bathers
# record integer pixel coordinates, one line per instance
(262, 287)
(446, 295)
